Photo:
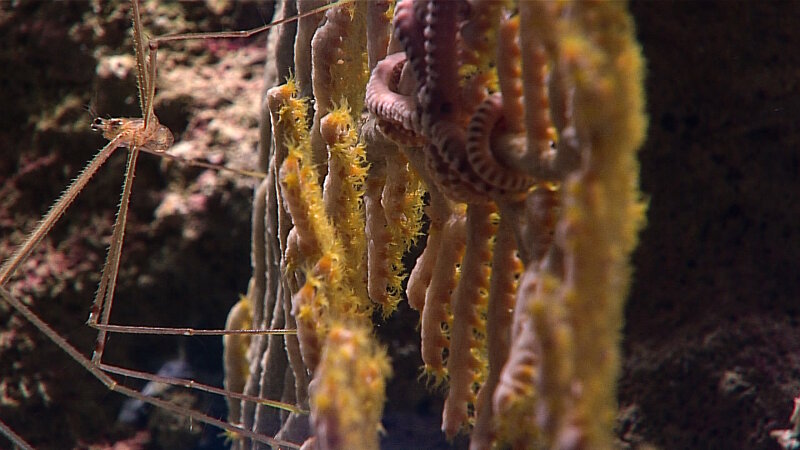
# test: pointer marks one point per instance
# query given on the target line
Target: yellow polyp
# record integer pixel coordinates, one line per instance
(304, 313)
(311, 206)
(578, 314)
(402, 202)
(390, 10)
(344, 189)
(328, 268)
(480, 37)
(465, 71)
(292, 115)
(349, 389)
(293, 197)
(331, 256)
(237, 367)
(518, 428)
(231, 437)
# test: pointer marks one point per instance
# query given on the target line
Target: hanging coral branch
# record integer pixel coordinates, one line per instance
(519, 123)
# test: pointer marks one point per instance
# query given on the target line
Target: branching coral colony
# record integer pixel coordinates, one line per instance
(521, 122)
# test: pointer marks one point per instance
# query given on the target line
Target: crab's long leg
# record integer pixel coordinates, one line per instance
(67, 197)
(14, 437)
(108, 280)
(111, 384)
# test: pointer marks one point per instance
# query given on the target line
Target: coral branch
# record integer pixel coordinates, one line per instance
(532, 108)
(466, 363)
(437, 299)
(349, 390)
(505, 267)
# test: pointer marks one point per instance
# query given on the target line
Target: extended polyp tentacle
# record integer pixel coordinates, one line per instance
(275, 99)
(465, 365)
(308, 241)
(284, 119)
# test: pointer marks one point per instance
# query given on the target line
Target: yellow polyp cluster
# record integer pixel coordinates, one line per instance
(292, 114)
(518, 427)
(344, 189)
(331, 306)
(521, 284)
(575, 309)
(307, 306)
(402, 202)
(302, 193)
(412, 209)
(467, 362)
(326, 266)
(603, 205)
(348, 392)
(480, 36)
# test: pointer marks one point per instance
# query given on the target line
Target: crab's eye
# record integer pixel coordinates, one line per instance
(98, 123)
